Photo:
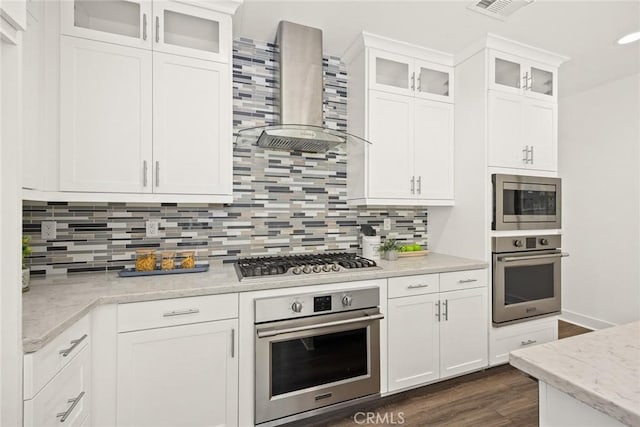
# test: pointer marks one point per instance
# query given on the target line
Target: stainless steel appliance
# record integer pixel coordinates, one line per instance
(526, 202)
(526, 277)
(293, 265)
(315, 350)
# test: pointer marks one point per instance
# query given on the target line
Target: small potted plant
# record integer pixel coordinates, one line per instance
(390, 249)
(26, 251)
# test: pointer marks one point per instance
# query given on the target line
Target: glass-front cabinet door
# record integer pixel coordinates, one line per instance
(542, 82)
(123, 22)
(506, 73)
(434, 81)
(390, 72)
(191, 31)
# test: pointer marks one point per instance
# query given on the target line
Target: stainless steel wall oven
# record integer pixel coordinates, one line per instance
(315, 350)
(526, 202)
(526, 277)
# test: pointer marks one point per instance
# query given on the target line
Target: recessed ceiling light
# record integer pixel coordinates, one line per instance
(630, 38)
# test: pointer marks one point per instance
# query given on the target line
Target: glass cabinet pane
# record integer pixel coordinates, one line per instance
(392, 73)
(191, 31)
(541, 81)
(112, 16)
(433, 81)
(507, 73)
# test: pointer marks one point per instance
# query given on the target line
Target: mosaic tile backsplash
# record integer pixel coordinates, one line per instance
(284, 202)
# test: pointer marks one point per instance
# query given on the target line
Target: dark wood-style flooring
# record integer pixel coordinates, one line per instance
(500, 396)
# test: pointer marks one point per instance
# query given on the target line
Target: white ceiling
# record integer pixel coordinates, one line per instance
(586, 31)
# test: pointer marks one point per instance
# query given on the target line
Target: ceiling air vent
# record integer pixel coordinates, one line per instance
(499, 9)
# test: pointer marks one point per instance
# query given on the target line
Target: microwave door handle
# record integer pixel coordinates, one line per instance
(265, 333)
(531, 257)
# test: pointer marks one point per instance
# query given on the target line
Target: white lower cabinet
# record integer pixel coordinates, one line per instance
(66, 400)
(437, 335)
(512, 337)
(184, 375)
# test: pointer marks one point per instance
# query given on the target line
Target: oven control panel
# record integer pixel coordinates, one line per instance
(312, 304)
(526, 243)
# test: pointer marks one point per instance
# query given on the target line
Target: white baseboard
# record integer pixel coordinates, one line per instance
(584, 320)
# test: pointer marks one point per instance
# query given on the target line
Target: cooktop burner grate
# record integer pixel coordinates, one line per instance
(301, 264)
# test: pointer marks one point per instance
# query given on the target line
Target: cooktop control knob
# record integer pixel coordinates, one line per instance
(335, 267)
(544, 242)
(517, 243)
(296, 270)
(306, 269)
(326, 268)
(347, 300)
(296, 307)
(317, 269)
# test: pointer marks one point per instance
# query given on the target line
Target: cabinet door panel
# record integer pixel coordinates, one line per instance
(391, 72)
(463, 331)
(105, 117)
(434, 81)
(391, 132)
(124, 22)
(412, 341)
(506, 139)
(541, 133)
(187, 30)
(543, 83)
(433, 152)
(182, 375)
(192, 126)
(506, 73)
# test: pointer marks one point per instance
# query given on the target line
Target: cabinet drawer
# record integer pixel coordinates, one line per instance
(457, 280)
(503, 344)
(177, 311)
(41, 366)
(413, 285)
(66, 399)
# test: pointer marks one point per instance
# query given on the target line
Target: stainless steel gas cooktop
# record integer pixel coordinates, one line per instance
(301, 264)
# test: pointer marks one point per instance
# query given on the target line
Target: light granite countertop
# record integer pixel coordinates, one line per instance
(600, 369)
(55, 303)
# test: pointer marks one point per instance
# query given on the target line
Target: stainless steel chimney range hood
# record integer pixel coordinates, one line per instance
(301, 86)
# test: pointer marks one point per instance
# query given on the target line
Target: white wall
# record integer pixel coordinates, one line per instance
(599, 161)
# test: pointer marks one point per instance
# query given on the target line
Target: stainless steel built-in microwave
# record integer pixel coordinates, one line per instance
(525, 202)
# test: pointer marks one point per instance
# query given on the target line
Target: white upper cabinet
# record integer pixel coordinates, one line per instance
(402, 102)
(406, 75)
(192, 31)
(191, 144)
(124, 22)
(105, 117)
(514, 74)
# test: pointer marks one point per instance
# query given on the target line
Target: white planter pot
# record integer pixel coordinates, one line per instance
(391, 255)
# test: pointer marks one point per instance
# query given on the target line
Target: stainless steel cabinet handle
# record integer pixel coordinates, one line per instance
(525, 80)
(233, 343)
(528, 342)
(420, 185)
(181, 313)
(467, 280)
(525, 154)
(144, 173)
(438, 312)
(74, 402)
(425, 285)
(413, 81)
(530, 82)
(157, 173)
(157, 29)
(74, 344)
(265, 333)
(531, 158)
(144, 26)
(446, 309)
(418, 89)
(413, 185)
(525, 258)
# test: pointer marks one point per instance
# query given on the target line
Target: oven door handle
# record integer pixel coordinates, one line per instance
(265, 333)
(525, 258)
